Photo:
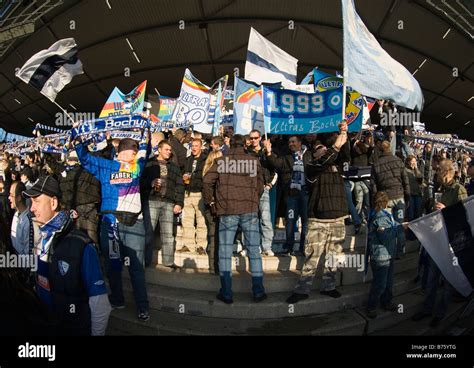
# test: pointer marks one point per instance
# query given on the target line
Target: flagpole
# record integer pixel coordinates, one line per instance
(344, 70)
(64, 111)
(344, 93)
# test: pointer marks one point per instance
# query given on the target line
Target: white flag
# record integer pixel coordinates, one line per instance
(51, 70)
(267, 63)
(370, 70)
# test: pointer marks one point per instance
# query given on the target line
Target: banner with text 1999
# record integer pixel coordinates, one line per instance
(292, 112)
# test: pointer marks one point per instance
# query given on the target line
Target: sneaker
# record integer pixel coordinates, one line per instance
(222, 299)
(284, 252)
(332, 293)
(144, 316)
(261, 298)
(372, 314)
(295, 298)
(268, 253)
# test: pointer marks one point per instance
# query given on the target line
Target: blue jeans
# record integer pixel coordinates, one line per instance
(362, 198)
(382, 285)
(393, 144)
(397, 207)
(296, 206)
(250, 226)
(350, 203)
(266, 221)
(154, 212)
(132, 247)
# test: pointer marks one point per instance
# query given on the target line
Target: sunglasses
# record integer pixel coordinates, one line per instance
(254, 138)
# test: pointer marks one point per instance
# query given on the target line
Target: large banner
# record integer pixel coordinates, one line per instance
(192, 107)
(292, 112)
(119, 104)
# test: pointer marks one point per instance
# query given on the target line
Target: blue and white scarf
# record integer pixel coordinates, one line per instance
(298, 180)
(114, 243)
(48, 231)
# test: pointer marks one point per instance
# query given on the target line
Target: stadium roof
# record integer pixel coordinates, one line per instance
(436, 36)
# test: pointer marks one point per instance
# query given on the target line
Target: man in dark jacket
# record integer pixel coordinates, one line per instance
(269, 179)
(237, 182)
(194, 237)
(69, 277)
(80, 192)
(451, 194)
(327, 210)
(162, 197)
(389, 176)
(176, 139)
(292, 170)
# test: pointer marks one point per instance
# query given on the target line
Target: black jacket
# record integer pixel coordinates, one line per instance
(361, 153)
(195, 185)
(327, 193)
(78, 187)
(284, 166)
(179, 152)
(389, 175)
(68, 289)
(267, 169)
(174, 183)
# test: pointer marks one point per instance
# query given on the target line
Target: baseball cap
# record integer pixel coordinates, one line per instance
(44, 185)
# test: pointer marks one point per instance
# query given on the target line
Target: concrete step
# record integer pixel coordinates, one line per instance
(277, 263)
(408, 304)
(124, 322)
(275, 281)
(407, 327)
(204, 303)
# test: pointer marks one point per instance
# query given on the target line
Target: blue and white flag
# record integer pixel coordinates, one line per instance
(448, 237)
(267, 63)
(50, 70)
(370, 70)
(248, 107)
(216, 99)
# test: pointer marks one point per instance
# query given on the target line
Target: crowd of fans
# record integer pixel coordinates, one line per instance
(93, 212)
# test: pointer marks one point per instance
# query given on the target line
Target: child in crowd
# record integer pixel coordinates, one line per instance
(381, 248)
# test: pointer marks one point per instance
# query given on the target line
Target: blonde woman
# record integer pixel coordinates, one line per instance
(210, 160)
(211, 220)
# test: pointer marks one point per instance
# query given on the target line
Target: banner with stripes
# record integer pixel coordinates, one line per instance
(447, 236)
